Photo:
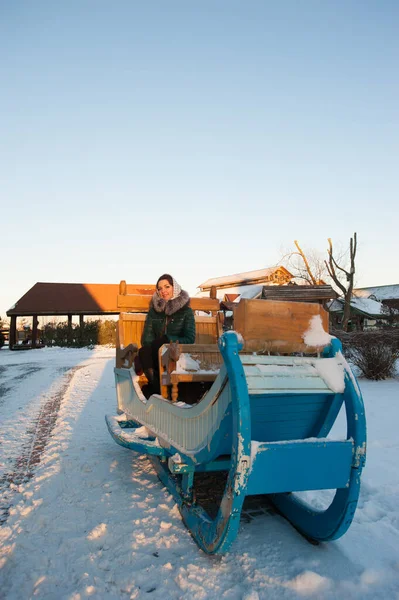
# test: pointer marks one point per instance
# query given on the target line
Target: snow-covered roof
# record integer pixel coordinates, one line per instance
(250, 276)
(365, 305)
(335, 305)
(371, 307)
(381, 292)
(246, 291)
(243, 291)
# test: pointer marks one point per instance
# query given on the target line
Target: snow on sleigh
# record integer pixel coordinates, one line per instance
(267, 398)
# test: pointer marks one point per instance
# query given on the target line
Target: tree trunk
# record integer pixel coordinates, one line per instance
(332, 265)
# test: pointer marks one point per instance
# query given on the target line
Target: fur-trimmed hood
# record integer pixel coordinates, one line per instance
(169, 307)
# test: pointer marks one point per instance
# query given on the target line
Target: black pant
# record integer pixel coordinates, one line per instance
(148, 356)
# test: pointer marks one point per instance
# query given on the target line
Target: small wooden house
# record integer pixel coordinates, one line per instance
(388, 295)
(365, 314)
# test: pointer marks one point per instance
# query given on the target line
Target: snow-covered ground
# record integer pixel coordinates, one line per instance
(84, 518)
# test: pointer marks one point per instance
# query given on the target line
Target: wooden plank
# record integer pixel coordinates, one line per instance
(190, 377)
(290, 400)
(281, 383)
(205, 319)
(287, 416)
(131, 328)
(273, 326)
(199, 348)
(298, 293)
(285, 391)
(287, 430)
(282, 407)
(133, 302)
(133, 316)
(280, 371)
(206, 330)
(328, 466)
(139, 303)
(265, 359)
(282, 414)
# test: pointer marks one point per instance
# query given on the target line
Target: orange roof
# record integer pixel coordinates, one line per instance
(74, 298)
(230, 297)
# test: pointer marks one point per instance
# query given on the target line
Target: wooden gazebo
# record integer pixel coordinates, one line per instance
(69, 299)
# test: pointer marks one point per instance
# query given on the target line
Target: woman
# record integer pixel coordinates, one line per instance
(169, 319)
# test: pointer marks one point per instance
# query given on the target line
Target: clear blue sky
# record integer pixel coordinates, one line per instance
(196, 137)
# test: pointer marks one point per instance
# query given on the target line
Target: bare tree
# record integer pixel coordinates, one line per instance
(307, 266)
(336, 271)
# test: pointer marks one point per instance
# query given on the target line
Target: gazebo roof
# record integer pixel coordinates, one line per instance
(74, 298)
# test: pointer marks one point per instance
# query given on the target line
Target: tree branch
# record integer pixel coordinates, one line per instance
(331, 268)
(308, 269)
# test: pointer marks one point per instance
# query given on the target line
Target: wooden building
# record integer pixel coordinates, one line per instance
(69, 299)
(230, 289)
(365, 313)
(269, 276)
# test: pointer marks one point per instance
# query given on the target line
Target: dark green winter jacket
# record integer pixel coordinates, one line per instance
(173, 318)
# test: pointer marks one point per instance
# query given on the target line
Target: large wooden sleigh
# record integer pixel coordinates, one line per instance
(272, 391)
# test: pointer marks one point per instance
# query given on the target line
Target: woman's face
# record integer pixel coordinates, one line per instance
(165, 290)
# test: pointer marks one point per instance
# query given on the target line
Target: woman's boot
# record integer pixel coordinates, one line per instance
(149, 373)
(153, 380)
(151, 387)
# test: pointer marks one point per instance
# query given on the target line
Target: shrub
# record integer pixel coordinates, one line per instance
(90, 334)
(107, 333)
(375, 362)
(2, 336)
(48, 334)
(373, 352)
(87, 335)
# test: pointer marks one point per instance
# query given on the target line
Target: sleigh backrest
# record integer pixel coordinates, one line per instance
(278, 327)
(131, 325)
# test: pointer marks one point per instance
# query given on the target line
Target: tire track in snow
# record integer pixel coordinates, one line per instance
(7, 386)
(39, 432)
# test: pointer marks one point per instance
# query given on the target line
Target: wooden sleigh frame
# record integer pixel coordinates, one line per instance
(265, 421)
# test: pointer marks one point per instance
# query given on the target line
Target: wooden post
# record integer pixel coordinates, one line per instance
(34, 330)
(81, 325)
(175, 392)
(212, 293)
(69, 328)
(12, 340)
(122, 288)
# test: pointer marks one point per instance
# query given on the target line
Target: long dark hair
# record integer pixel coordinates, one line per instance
(166, 276)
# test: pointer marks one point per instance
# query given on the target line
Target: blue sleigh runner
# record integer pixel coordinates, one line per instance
(263, 421)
